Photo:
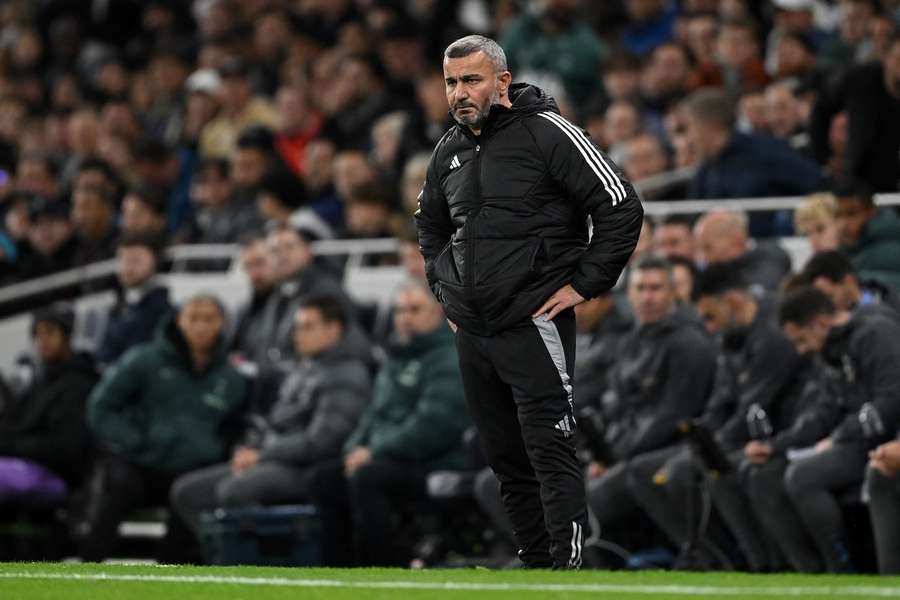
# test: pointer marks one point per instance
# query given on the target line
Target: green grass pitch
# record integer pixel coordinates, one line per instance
(102, 582)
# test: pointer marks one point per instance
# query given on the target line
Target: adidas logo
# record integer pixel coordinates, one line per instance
(455, 162)
(564, 426)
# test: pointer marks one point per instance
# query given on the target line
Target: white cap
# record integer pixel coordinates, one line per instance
(204, 80)
(795, 5)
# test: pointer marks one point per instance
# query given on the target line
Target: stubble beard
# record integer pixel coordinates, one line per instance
(476, 120)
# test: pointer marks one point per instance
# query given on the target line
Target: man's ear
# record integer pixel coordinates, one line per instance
(505, 79)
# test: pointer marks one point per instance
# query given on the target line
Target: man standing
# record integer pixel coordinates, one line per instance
(503, 228)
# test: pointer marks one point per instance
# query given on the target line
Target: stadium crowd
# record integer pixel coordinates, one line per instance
(127, 126)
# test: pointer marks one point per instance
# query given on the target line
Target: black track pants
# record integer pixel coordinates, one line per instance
(518, 386)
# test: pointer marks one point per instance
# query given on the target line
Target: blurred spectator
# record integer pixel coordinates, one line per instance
(387, 134)
(673, 236)
(792, 17)
(318, 406)
(155, 428)
(428, 123)
(94, 222)
(663, 374)
(752, 113)
(281, 199)
(864, 415)
(651, 24)
(49, 245)
(368, 212)
(413, 426)
(684, 271)
(814, 219)
(622, 78)
(852, 45)
(785, 118)
(320, 158)
(884, 498)
(97, 173)
(870, 95)
(38, 174)
(161, 167)
(43, 434)
(240, 109)
(665, 78)
(248, 340)
(738, 66)
(296, 275)
(143, 213)
(644, 157)
(82, 133)
(601, 324)
(552, 44)
(203, 89)
(702, 32)
(351, 169)
(142, 304)
(220, 215)
(795, 57)
(870, 237)
(358, 96)
(735, 165)
(621, 122)
(299, 124)
(832, 272)
(723, 237)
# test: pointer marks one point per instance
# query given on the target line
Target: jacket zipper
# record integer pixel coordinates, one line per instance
(470, 230)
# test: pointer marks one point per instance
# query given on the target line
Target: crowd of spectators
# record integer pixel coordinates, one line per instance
(271, 124)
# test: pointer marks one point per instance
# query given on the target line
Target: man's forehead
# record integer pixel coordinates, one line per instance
(475, 63)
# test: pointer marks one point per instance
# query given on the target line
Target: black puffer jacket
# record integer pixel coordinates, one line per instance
(502, 217)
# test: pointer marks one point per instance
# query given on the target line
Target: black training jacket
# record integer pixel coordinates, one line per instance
(503, 216)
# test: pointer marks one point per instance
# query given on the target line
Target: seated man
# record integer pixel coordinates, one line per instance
(318, 406)
(862, 354)
(883, 485)
(663, 374)
(833, 272)
(754, 392)
(870, 237)
(413, 426)
(43, 436)
(724, 237)
(165, 408)
(143, 302)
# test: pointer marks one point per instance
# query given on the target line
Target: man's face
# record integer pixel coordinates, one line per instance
(291, 109)
(683, 280)
(651, 294)
(47, 234)
(211, 188)
(715, 314)
(735, 46)
(673, 240)
(257, 264)
(808, 339)
(851, 217)
(91, 215)
(319, 164)
(50, 342)
(32, 176)
(137, 217)
(839, 292)
(821, 232)
(290, 253)
(415, 313)
(313, 334)
(136, 264)
(472, 87)
(201, 323)
(248, 165)
(782, 111)
(644, 158)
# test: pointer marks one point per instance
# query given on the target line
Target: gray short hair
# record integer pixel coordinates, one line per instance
(711, 105)
(478, 43)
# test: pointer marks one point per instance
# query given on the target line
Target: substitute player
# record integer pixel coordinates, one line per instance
(503, 226)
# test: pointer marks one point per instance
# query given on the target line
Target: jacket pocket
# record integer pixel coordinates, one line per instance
(500, 260)
(444, 266)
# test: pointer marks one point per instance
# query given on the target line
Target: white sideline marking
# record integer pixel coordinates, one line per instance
(592, 588)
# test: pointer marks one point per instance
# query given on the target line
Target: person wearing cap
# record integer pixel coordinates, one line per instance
(43, 436)
(49, 245)
(240, 108)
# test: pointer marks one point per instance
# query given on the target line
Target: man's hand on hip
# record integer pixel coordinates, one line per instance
(565, 297)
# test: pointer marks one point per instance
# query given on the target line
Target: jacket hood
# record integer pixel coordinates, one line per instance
(529, 99)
